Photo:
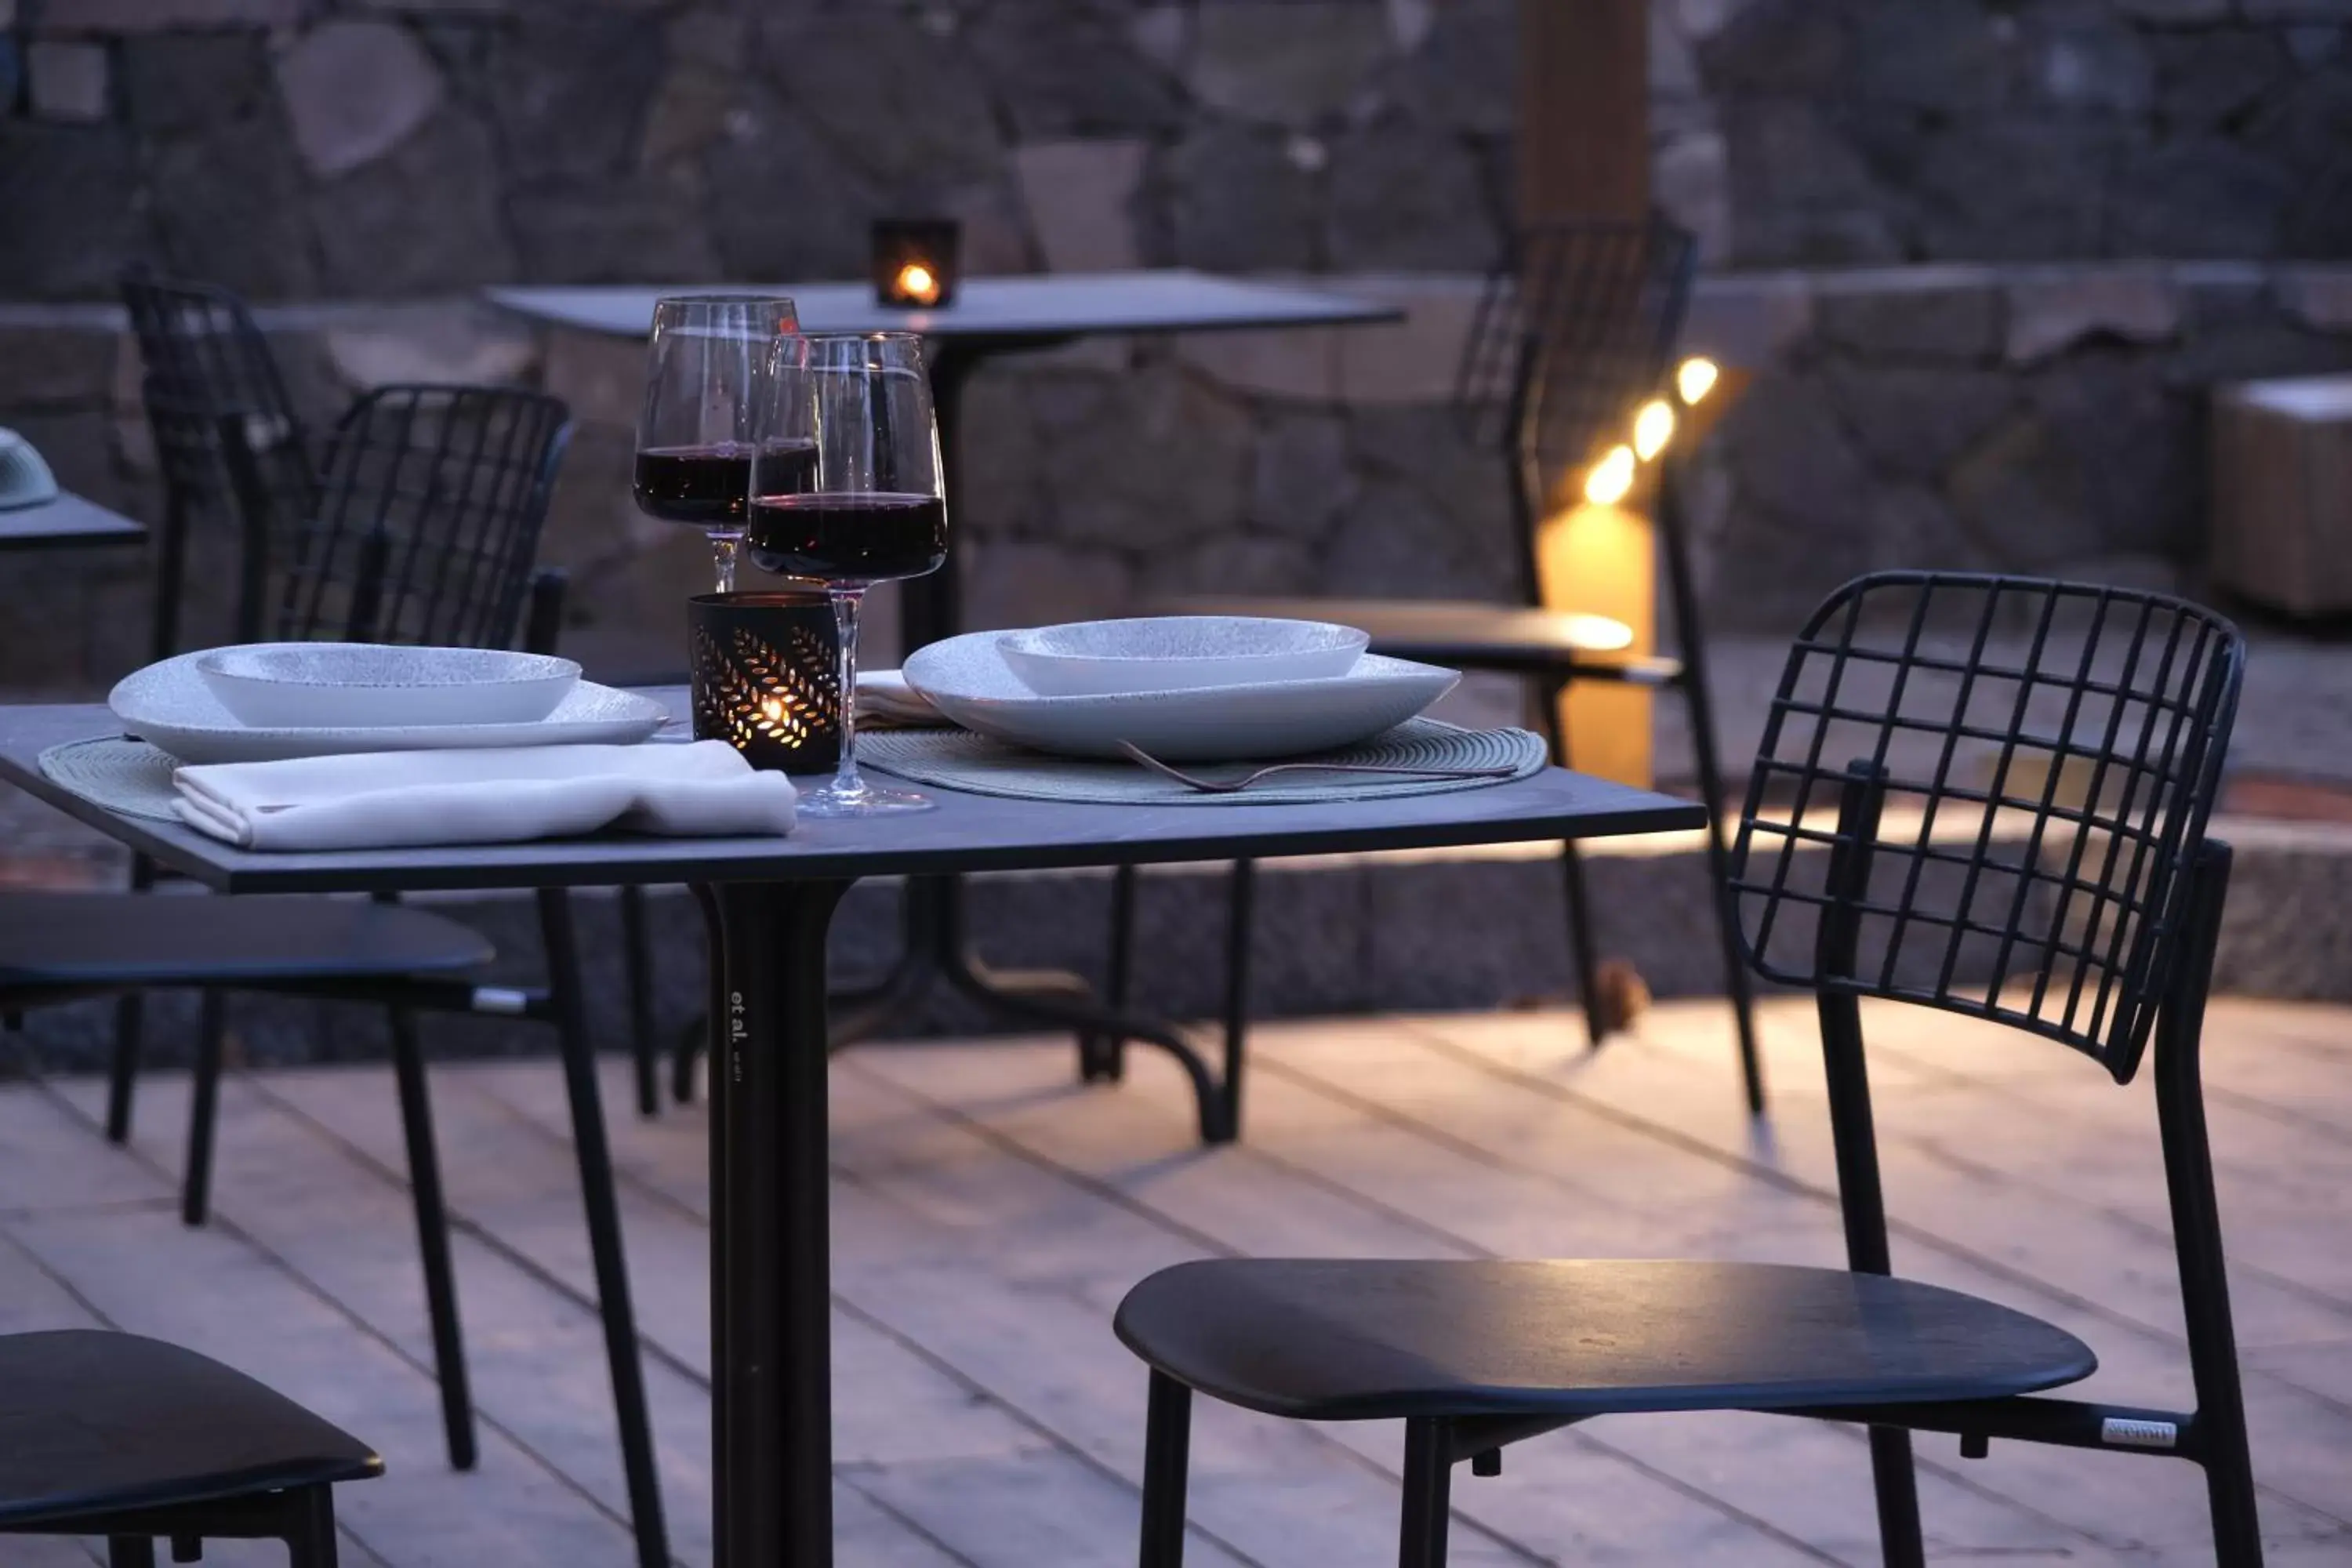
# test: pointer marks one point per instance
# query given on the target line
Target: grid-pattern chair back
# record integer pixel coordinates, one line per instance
(430, 504)
(1575, 331)
(206, 361)
(1936, 817)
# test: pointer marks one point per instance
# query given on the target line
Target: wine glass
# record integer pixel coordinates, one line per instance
(705, 374)
(846, 491)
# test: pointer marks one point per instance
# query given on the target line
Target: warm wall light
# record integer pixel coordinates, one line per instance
(1693, 379)
(1653, 426)
(1611, 478)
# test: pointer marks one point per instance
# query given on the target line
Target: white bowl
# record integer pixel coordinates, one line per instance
(1178, 653)
(967, 679)
(364, 686)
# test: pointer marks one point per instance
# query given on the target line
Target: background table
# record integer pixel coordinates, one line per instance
(770, 902)
(67, 520)
(990, 316)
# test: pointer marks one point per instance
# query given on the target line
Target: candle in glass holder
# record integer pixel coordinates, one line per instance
(766, 677)
(915, 262)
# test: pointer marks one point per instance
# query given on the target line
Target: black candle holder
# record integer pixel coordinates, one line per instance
(767, 678)
(915, 262)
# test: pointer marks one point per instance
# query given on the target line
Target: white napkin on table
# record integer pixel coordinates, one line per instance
(495, 795)
(884, 695)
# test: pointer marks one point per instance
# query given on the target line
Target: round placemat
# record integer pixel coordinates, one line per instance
(123, 776)
(958, 759)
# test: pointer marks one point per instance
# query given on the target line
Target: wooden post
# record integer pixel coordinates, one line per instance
(1584, 151)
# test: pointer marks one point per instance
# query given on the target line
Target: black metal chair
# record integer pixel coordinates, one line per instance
(136, 1441)
(425, 520)
(1930, 821)
(1576, 330)
(212, 387)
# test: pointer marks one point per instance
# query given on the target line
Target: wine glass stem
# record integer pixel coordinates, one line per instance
(724, 548)
(846, 605)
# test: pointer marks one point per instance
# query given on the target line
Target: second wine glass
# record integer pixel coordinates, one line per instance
(847, 490)
(704, 382)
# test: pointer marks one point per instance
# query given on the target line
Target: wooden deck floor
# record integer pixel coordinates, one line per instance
(988, 1215)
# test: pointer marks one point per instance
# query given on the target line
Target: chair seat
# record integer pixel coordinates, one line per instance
(70, 940)
(1341, 1339)
(1468, 635)
(94, 1423)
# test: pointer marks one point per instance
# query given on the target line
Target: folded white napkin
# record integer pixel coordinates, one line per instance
(884, 695)
(499, 795)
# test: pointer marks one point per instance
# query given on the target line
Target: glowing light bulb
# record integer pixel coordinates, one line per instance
(1653, 426)
(1693, 379)
(917, 283)
(1611, 478)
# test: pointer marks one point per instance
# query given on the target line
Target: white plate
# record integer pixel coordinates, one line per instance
(358, 684)
(1176, 653)
(966, 679)
(169, 706)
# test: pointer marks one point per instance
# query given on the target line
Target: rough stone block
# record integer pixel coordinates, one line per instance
(1690, 178)
(1014, 583)
(568, 91)
(617, 231)
(2317, 297)
(1462, 76)
(67, 365)
(1415, 359)
(2052, 310)
(354, 90)
(1913, 421)
(425, 217)
(1287, 61)
(178, 82)
(74, 176)
(1402, 197)
(1236, 201)
(1142, 461)
(69, 80)
(1079, 195)
(921, 121)
(1066, 68)
(227, 196)
(602, 378)
(1946, 313)
(1295, 361)
(793, 208)
(1748, 319)
(444, 343)
(153, 16)
(1301, 481)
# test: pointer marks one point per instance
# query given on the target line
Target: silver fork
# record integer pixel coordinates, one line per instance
(1213, 787)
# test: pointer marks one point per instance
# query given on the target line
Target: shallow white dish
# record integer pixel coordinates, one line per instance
(967, 679)
(169, 706)
(1178, 653)
(354, 686)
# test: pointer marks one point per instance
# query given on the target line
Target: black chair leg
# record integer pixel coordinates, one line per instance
(637, 963)
(603, 1214)
(1167, 1450)
(1897, 1483)
(130, 1552)
(1580, 944)
(1240, 919)
(1428, 1483)
(203, 1108)
(433, 1239)
(1738, 984)
(122, 1072)
(311, 1532)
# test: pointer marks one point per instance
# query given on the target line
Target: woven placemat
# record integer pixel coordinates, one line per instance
(123, 776)
(958, 759)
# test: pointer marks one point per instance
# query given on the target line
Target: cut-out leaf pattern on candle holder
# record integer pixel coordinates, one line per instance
(766, 679)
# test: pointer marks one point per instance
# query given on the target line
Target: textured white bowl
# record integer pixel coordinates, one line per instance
(363, 685)
(1178, 653)
(967, 679)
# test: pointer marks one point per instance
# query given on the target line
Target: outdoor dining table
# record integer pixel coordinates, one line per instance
(989, 317)
(772, 900)
(64, 521)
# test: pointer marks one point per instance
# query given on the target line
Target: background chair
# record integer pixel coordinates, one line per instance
(2019, 842)
(213, 388)
(1576, 331)
(425, 521)
(133, 1439)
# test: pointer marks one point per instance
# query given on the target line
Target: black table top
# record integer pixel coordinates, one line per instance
(967, 833)
(67, 520)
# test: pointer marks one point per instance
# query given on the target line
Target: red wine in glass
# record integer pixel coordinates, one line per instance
(849, 539)
(707, 486)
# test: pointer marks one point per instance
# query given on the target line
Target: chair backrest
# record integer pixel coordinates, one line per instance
(430, 502)
(1983, 794)
(1576, 329)
(210, 377)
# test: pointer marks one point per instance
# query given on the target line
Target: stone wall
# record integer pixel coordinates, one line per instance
(374, 149)
(2033, 418)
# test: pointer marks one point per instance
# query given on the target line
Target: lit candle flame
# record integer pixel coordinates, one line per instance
(1653, 426)
(1693, 379)
(772, 710)
(1611, 478)
(916, 282)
